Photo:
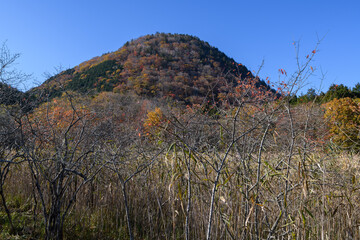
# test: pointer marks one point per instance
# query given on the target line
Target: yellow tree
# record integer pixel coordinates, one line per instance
(344, 122)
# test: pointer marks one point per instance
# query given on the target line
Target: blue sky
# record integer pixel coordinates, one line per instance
(53, 33)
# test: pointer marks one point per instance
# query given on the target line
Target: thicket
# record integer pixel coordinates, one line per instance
(119, 166)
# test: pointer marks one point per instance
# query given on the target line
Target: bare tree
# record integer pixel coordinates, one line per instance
(62, 155)
(10, 112)
(9, 75)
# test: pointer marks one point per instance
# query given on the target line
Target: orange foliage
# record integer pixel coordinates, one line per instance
(56, 118)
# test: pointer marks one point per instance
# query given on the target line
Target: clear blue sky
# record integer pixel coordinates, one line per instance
(52, 33)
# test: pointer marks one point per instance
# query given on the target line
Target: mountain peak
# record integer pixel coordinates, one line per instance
(178, 66)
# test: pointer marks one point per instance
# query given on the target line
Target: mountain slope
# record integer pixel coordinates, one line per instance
(178, 66)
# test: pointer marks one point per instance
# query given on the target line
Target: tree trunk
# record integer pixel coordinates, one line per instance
(131, 237)
(54, 228)
(54, 223)
(7, 209)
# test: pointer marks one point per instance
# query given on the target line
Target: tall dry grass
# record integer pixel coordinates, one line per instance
(322, 201)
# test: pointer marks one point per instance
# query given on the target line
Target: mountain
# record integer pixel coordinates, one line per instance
(176, 66)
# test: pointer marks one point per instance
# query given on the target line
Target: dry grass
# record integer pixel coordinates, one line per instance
(322, 201)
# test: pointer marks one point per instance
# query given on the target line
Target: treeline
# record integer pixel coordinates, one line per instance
(335, 91)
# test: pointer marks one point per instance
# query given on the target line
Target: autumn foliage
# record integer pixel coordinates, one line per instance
(175, 66)
(343, 117)
(57, 117)
(154, 121)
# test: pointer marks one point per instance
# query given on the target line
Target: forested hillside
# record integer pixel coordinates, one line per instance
(176, 66)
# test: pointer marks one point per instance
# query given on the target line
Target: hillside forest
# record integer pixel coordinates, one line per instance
(168, 138)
